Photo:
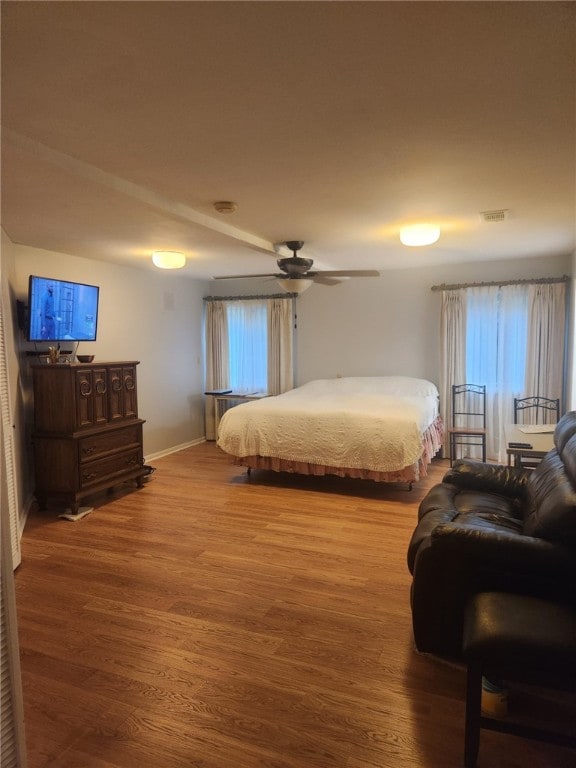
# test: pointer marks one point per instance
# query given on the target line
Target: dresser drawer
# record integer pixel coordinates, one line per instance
(111, 441)
(111, 468)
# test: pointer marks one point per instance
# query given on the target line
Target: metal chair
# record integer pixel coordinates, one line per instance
(540, 410)
(534, 410)
(468, 419)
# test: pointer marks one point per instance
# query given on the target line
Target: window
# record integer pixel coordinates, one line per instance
(511, 338)
(497, 338)
(248, 346)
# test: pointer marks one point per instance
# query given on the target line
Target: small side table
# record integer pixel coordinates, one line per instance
(540, 443)
(209, 404)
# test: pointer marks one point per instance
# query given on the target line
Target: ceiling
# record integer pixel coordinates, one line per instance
(329, 122)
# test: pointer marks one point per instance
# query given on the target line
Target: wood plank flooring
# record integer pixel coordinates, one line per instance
(211, 620)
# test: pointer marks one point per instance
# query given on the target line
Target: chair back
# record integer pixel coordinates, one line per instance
(536, 410)
(469, 406)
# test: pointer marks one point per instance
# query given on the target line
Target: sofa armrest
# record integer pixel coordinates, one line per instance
(505, 551)
(436, 508)
(493, 478)
(457, 562)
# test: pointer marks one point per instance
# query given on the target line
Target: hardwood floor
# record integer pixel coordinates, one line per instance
(211, 620)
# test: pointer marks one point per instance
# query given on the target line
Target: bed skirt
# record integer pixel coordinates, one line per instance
(431, 442)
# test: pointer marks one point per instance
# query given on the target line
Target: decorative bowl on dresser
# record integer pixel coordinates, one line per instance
(87, 435)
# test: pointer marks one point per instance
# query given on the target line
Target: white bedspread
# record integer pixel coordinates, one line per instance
(373, 423)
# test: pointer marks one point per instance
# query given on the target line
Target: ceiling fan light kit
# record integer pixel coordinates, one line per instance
(417, 235)
(168, 259)
(294, 284)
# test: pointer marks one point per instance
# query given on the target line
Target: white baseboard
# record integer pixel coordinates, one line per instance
(25, 512)
(174, 449)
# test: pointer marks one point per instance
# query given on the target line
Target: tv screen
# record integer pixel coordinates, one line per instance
(60, 310)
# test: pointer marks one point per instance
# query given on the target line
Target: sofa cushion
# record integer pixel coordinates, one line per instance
(496, 478)
(564, 431)
(568, 455)
(551, 512)
(469, 509)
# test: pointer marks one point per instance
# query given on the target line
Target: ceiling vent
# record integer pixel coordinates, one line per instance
(493, 216)
(225, 206)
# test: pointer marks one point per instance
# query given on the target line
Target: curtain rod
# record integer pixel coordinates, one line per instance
(252, 297)
(528, 281)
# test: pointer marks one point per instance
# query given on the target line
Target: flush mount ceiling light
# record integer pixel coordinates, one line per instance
(419, 234)
(294, 284)
(168, 259)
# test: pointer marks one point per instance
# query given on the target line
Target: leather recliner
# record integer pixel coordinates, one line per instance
(493, 528)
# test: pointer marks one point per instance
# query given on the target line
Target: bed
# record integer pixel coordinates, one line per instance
(383, 428)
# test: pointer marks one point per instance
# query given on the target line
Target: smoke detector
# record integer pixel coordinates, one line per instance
(225, 206)
(494, 216)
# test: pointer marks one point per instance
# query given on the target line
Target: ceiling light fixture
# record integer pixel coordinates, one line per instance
(294, 284)
(168, 259)
(419, 234)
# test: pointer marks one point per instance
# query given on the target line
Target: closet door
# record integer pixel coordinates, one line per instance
(13, 747)
(8, 466)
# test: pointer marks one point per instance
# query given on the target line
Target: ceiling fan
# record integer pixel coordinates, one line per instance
(297, 274)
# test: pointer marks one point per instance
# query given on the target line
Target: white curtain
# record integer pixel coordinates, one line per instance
(546, 329)
(217, 372)
(280, 346)
(452, 350)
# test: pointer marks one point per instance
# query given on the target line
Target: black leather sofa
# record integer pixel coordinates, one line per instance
(493, 528)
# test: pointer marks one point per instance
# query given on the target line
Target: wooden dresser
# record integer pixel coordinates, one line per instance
(87, 435)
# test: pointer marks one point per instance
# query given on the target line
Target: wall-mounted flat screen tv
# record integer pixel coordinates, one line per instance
(60, 310)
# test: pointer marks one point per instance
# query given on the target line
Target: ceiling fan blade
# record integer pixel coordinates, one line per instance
(321, 279)
(238, 277)
(347, 273)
